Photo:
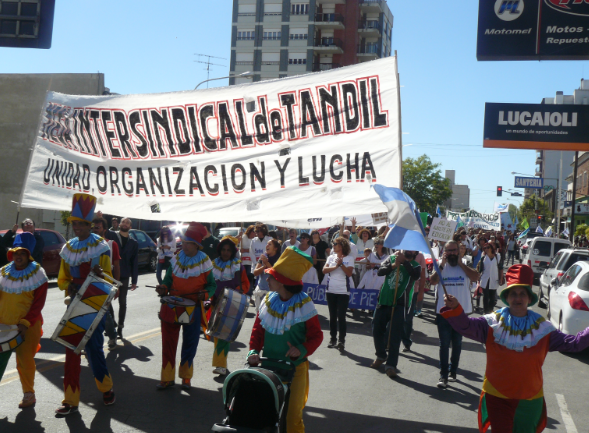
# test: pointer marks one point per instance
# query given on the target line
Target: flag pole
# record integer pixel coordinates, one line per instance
(435, 262)
(393, 306)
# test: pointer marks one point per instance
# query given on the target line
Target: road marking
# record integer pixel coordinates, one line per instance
(566, 415)
(60, 359)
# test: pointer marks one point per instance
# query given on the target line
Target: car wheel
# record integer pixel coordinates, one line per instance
(152, 263)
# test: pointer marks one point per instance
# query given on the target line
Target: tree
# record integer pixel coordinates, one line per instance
(424, 183)
(528, 210)
(64, 215)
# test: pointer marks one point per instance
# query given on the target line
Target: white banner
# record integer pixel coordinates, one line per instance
(477, 220)
(295, 148)
(500, 207)
(319, 223)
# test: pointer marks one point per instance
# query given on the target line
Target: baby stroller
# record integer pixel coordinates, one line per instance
(256, 398)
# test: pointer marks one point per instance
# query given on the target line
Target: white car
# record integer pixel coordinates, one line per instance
(568, 306)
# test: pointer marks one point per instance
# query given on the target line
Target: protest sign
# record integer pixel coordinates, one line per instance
(442, 229)
(362, 299)
(255, 152)
(477, 220)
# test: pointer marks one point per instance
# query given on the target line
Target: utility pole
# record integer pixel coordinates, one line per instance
(209, 63)
(572, 231)
(559, 198)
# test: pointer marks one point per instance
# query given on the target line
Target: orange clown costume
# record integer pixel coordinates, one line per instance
(22, 296)
(188, 277)
(78, 258)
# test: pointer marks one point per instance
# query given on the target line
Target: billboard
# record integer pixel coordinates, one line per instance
(533, 30)
(529, 182)
(536, 126)
(26, 24)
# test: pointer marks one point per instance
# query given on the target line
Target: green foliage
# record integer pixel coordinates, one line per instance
(424, 183)
(64, 215)
(581, 229)
(527, 210)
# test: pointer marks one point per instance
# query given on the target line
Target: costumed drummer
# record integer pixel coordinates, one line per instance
(517, 341)
(80, 255)
(23, 289)
(189, 276)
(229, 273)
(287, 328)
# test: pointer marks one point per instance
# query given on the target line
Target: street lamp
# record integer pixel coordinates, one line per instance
(243, 74)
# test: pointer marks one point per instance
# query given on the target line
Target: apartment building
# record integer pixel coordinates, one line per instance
(460, 199)
(281, 38)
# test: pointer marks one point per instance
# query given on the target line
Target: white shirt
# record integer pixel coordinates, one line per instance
(490, 272)
(161, 253)
(457, 284)
(258, 247)
(245, 245)
(287, 244)
(338, 280)
(361, 246)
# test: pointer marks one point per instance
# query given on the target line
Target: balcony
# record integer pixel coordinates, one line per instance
(317, 67)
(369, 29)
(373, 5)
(370, 51)
(329, 45)
(329, 21)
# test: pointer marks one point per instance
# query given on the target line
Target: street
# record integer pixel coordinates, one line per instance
(345, 395)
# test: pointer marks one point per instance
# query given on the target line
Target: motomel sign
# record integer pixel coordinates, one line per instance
(533, 30)
(536, 126)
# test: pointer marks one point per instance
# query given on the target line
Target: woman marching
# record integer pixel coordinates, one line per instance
(229, 273)
(491, 276)
(166, 248)
(517, 341)
(266, 261)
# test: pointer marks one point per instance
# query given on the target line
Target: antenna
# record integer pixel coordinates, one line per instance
(209, 63)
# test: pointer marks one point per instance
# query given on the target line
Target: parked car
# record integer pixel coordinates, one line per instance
(54, 242)
(227, 231)
(561, 262)
(524, 248)
(147, 249)
(541, 251)
(568, 306)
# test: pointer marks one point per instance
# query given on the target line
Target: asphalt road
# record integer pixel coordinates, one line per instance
(345, 395)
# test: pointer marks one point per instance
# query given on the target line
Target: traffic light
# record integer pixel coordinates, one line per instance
(499, 191)
(540, 218)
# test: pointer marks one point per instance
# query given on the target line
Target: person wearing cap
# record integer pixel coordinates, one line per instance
(189, 276)
(7, 241)
(517, 341)
(23, 289)
(80, 255)
(229, 273)
(287, 328)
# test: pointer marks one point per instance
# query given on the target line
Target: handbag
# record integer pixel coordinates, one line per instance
(166, 263)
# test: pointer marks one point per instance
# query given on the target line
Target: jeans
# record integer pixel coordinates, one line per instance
(511, 256)
(123, 290)
(408, 323)
(380, 333)
(448, 335)
(337, 304)
(110, 326)
(158, 272)
(489, 299)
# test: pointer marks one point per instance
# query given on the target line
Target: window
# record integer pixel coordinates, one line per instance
(272, 34)
(273, 9)
(542, 248)
(244, 59)
(299, 9)
(574, 258)
(270, 58)
(560, 246)
(584, 283)
(299, 33)
(297, 59)
(21, 18)
(570, 276)
(555, 260)
(140, 237)
(246, 10)
(245, 35)
(49, 238)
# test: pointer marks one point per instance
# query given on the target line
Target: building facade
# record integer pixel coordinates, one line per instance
(282, 38)
(460, 199)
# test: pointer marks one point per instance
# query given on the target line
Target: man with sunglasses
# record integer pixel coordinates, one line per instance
(28, 225)
(456, 277)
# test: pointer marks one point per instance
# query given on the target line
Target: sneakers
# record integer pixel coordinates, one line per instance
(452, 377)
(112, 344)
(185, 384)
(391, 372)
(376, 364)
(109, 398)
(332, 343)
(418, 314)
(443, 383)
(341, 345)
(66, 409)
(220, 370)
(406, 349)
(165, 385)
(27, 400)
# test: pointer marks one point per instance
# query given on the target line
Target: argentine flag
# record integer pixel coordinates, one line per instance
(539, 230)
(438, 212)
(524, 233)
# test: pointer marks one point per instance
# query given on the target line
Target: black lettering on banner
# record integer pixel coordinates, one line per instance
(351, 113)
(86, 128)
(288, 100)
(101, 172)
(79, 138)
(181, 130)
(56, 173)
(364, 104)
(261, 120)
(134, 120)
(147, 127)
(110, 135)
(86, 177)
(63, 174)
(303, 181)
(194, 128)
(140, 183)
(335, 177)
(330, 109)
(226, 127)
(205, 112)
(247, 140)
(211, 190)
(353, 167)
(194, 183)
(276, 124)
(161, 123)
(282, 170)
(70, 174)
(367, 167)
(67, 138)
(179, 192)
(128, 187)
(380, 117)
(308, 114)
(114, 180)
(168, 181)
(156, 180)
(47, 171)
(76, 180)
(318, 179)
(95, 117)
(123, 135)
(224, 177)
(238, 187)
(259, 175)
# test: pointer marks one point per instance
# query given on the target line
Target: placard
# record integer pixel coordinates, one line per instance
(442, 229)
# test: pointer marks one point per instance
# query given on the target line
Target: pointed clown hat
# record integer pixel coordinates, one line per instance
(83, 206)
(519, 276)
(195, 233)
(291, 266)
(24, 241)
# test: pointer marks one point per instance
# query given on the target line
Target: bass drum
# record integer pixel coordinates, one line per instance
(228, 315)
(10, 338)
